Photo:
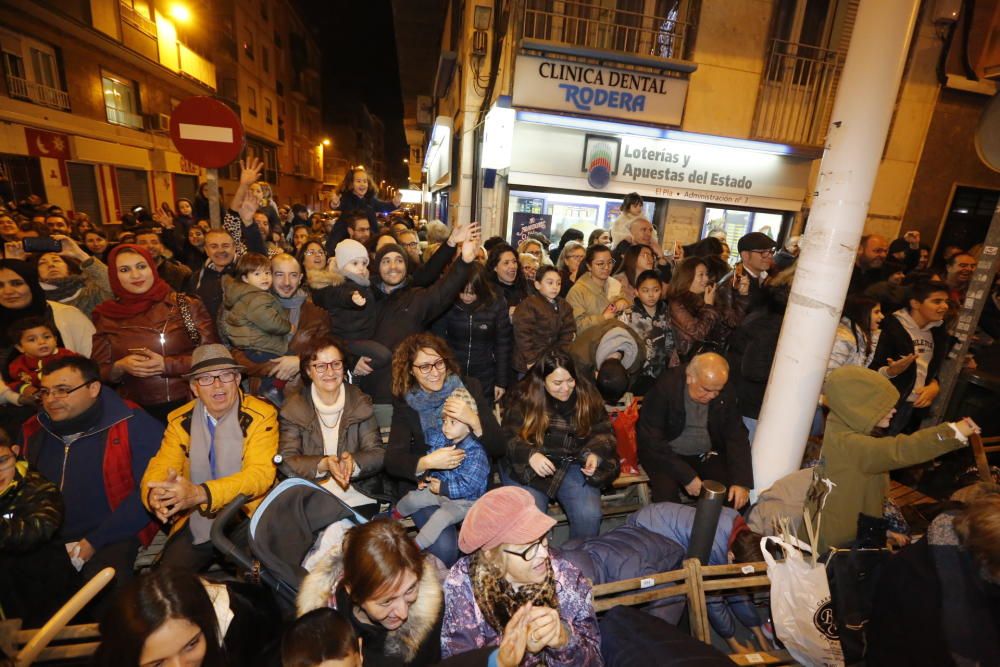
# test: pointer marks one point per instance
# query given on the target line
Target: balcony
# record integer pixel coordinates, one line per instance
(593, 26)
(796, 95)
(23, 89)
(137, 20)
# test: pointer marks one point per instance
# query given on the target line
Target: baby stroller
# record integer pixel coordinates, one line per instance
(281, 532)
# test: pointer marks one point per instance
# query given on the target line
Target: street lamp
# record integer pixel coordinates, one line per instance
(326, 142)
(180, 12)
(406, 161)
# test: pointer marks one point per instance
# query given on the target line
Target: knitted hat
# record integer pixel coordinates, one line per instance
(505, 515)
(463, 394)
(349, 250)
(386, 249)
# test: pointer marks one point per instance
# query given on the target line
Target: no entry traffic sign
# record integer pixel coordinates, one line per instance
(206, 131)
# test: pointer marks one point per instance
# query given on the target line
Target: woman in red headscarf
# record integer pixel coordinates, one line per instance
(146, 334)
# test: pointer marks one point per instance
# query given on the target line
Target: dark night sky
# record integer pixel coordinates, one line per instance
(360, 67)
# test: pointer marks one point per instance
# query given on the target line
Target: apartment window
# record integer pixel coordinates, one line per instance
(252, 100)
(265, 59)
(32, 71)
(268, 112)
(121, 101)
(137, 14)
(248, 43)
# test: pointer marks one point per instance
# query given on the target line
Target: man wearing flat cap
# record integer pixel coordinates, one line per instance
(216, 447)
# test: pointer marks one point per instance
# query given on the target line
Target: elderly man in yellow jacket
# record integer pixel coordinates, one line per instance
(216, 447)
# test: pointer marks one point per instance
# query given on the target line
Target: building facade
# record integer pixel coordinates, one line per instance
(89, 86)
(545, 115)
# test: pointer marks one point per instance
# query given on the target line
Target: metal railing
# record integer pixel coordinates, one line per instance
(35, 92)
(796, 93)
(136, 20)
(592, 25)
(122, 117)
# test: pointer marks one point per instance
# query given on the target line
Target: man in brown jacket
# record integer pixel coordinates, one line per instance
(309, 321)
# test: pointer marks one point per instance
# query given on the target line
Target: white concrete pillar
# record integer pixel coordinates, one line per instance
(859, 126)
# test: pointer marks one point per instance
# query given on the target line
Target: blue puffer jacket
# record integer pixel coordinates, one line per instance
(674, 521)
(624, 553)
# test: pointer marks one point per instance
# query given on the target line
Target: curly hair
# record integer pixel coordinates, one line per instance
(402, 360)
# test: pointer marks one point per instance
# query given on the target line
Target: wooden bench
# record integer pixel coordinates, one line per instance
(694, 582)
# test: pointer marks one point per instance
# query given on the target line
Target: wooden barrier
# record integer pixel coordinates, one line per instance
(694, 582)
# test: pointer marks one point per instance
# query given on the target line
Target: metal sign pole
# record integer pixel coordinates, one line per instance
(968, 318)
(214, 212)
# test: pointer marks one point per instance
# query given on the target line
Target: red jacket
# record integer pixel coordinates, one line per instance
(23, 371)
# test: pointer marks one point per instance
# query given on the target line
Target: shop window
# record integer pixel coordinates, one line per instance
(21, 176)
(737, 222)
(121, 101)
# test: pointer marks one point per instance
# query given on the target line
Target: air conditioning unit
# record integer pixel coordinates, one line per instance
(158, 122)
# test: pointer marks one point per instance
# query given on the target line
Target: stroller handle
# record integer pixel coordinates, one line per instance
(218, 534)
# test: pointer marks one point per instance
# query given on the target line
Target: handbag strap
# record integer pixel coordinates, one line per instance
(185, 307)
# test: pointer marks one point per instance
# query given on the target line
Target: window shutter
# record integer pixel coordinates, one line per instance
(133, 188)
(83, 186)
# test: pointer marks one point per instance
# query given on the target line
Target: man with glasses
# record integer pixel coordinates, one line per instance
(94, 446)
(757, 257)
(216, 447)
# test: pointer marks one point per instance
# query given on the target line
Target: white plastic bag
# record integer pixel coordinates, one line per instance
(801, 607)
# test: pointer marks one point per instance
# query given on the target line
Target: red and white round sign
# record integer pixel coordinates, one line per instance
(206, 132)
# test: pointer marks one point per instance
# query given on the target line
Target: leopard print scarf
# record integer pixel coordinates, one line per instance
(497, 598)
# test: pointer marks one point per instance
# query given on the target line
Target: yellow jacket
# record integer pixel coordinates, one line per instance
(259, 421)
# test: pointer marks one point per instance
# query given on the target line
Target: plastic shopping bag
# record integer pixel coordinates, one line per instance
(801, 607)
(625, 423)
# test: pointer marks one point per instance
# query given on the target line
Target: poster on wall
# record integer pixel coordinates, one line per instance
(529, 223)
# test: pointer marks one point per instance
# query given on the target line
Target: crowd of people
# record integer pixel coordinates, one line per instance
(150, 380)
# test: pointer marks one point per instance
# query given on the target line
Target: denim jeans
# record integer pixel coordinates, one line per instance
(580, 501)
(445, 547)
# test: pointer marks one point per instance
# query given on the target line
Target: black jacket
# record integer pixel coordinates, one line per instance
(407, 443)
(895, 342)
(750, 355)
(662, 419)
(482, 340)
(513, 294)
(351, 203)
(408, 310)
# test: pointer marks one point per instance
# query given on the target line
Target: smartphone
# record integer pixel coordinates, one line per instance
(41, 244)
(138, 350)
(737, 275)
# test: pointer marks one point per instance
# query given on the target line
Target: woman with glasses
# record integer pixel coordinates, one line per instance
(328, 431)
(596, 296)
(510, 591)
(424, 377)
(568, 263)
(560, 443)
(146, 334)
(312, 256)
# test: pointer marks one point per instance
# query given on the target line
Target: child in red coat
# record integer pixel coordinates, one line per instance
(35, 339)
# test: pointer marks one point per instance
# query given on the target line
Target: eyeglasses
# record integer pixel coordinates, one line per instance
(425, 369)
(764, 253)
(532, 550)
(327, 366)
(60, 392)
(412, 244)
(225, 377)
(603, 265)
(315, 252)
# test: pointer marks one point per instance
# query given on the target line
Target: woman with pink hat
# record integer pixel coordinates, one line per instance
(510, 583)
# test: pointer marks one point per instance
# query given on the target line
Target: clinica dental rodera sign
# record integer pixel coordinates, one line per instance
(545, 83)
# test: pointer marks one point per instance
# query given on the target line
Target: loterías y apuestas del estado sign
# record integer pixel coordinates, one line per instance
(559, 85)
